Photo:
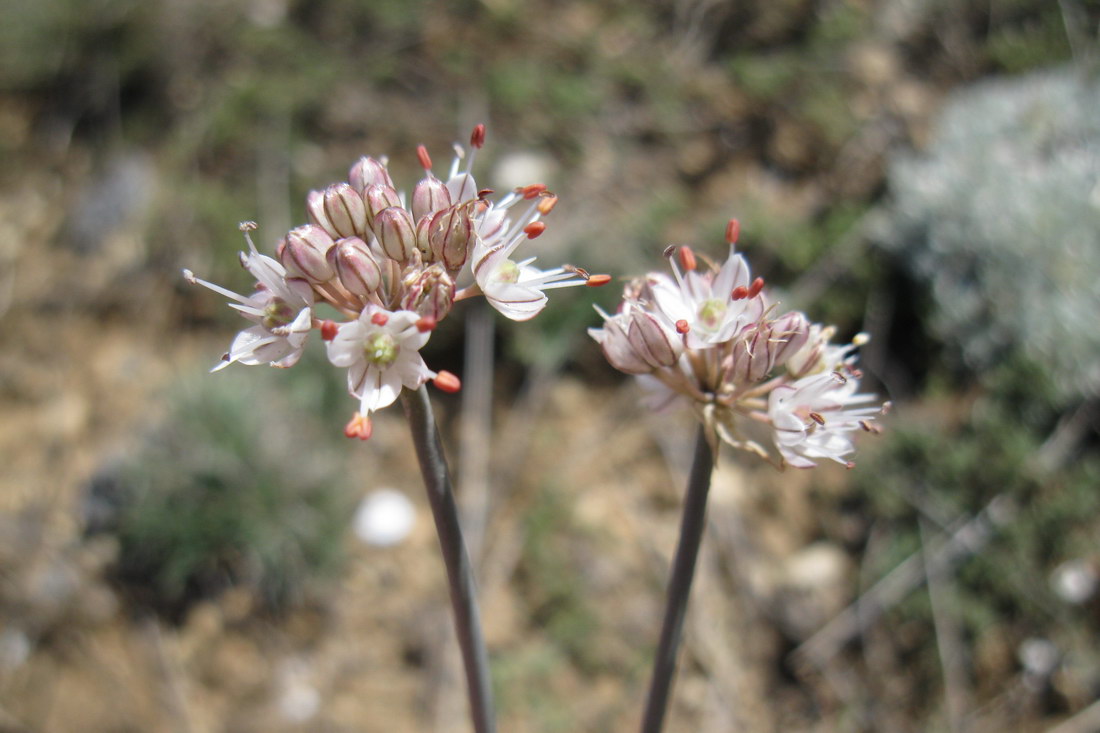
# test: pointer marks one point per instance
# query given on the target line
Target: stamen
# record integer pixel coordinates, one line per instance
(248, 226)
(447, 382)
(534, 229)
(484, 194)
(531, 191)
(682, 326)
(687, 259)
(817, 418)
(547, 204)
(739, 293)
(359, 427)
(578, 271)
(379, 318)
(328, 330)
(668, 250)
(595, 281)
(756, 287)
(733, 231)
(477, 137)
(423, 157)
(425, 324)
(840, 377)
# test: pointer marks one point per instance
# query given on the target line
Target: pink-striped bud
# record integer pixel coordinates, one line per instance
(376, 197)
(368, 172)
(429, 292)
(429, 196)
(449, 236)
(790, 332)
(338, 210)
(762, 346)
(618, 350)
(303, 253)
(396, 233)
(652, 341)
(355, 266)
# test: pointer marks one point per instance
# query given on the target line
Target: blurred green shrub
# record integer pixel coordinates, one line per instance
(1001, 217)
(236, 487)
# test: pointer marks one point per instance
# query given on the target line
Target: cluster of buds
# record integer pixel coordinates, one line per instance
(394, 267)
(712, 334)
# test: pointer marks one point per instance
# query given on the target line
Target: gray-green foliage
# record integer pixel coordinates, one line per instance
(237, 487)
(1001, 216)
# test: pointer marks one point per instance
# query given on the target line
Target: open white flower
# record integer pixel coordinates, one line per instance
(815, 417)
(280, 307)
(381, 350)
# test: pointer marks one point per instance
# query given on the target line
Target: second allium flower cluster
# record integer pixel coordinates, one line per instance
(394, 266)
(712, 335)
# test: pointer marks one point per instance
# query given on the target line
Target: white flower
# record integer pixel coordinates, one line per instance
(280, 307)
(815, 416)
(712, 306)
(381, 350)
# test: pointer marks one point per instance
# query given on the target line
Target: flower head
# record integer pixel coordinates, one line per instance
(712, 336)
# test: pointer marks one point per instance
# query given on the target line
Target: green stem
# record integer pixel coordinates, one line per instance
(679, 586)
(460, 576)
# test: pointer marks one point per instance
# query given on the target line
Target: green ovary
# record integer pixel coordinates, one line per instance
(711, 313)
(381, 349)
(506, 272)
(277, 313)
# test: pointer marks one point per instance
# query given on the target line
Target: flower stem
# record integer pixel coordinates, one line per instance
(679, 586)
(437, 481)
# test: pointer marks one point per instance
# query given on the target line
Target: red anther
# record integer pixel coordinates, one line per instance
(328, 330)
(534, 229)
(359, 426)
(447, 382)
(733, 231)
(547, 204)
(740, 293)
(595, 281)
(532, 191)
(687, 258)
(423, 157)
(380, 319)
(682, 326)
(477, 137)
(425, 324)
(756, 287)
(817, 418)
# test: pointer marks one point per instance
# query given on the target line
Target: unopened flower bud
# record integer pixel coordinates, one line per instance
(303, 253)
(339, 210)
(752, 356)
(449, 236)
(368, 172)
(429, 292)
(808, 359)
(790, 332)
(652, 342)
(355, 266)
(429, 196)
(618, 350)
(396, 233)
(376, 197)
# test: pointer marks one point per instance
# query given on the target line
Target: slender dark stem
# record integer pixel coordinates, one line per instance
(679, 585)
(460, 575)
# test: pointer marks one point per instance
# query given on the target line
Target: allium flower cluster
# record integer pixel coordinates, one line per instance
(394, 265)
(712, 334)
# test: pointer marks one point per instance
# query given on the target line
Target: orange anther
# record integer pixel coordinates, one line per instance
(687, 258)
(547, 204)
(682, 326)
(447, 382)
(380, 318)
(595, 281)
(477, 137)
(756, 287)
(534, 229)
(328, 330)
(533, 190)
(740, 292)
(733, 231)
(423, 157)
(425, 324)
(359, 427)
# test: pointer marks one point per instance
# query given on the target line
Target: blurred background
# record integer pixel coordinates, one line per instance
(183, 552)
